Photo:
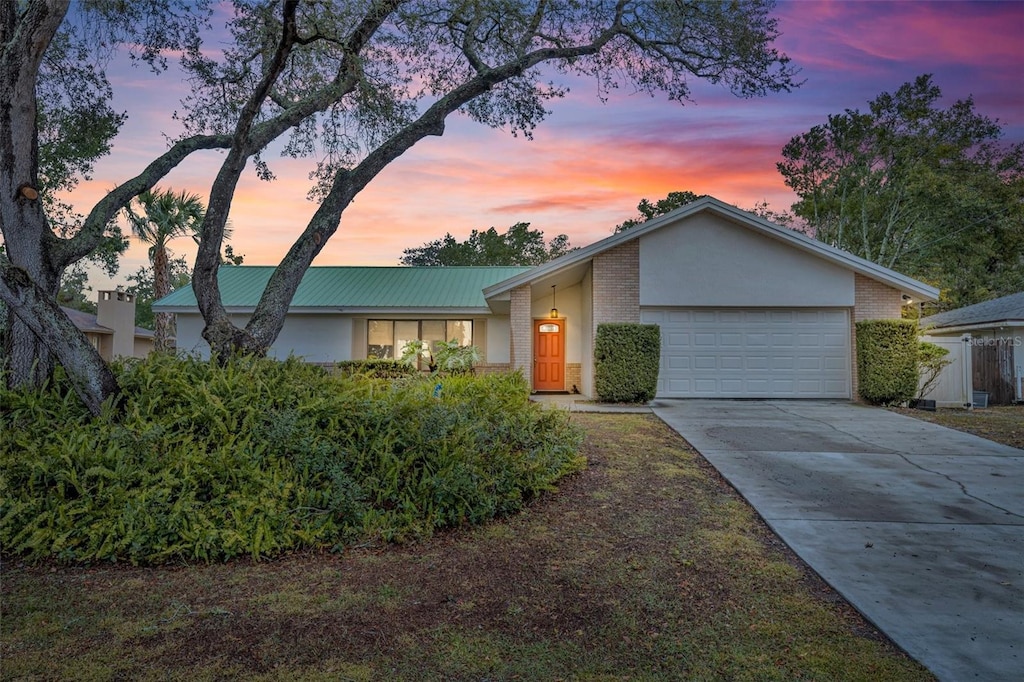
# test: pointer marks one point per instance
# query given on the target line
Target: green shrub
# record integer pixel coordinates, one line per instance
(446, 357)
(259, 457)
(377, 368)
(626, 360)
(452, 358)
(931, 360)
(887, 356)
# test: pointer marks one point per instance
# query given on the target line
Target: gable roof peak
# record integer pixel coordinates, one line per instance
(735, 215)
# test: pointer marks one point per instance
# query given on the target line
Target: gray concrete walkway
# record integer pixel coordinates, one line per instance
(920, 527)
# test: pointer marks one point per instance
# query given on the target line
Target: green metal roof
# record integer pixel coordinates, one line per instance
(357, 287)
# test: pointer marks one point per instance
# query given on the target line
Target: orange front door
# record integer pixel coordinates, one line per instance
(549, 355)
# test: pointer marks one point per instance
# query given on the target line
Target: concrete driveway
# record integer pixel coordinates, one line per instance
(920, 527)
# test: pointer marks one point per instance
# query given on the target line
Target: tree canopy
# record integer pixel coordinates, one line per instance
(352, 86)
(916, 186)
(75, 292)
(650, 210)
(519, 245)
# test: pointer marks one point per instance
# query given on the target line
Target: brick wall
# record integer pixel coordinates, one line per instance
(573, 375)
(875, 301)
(521, 322)
(616, 277)
(872, 301)
(484, 368)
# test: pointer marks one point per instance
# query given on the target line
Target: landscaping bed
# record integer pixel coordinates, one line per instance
(202, 461)
(644, 566)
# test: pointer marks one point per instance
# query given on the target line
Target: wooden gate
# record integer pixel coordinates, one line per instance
(993, 370)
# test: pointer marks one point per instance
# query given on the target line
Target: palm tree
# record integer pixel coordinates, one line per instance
(158, 218)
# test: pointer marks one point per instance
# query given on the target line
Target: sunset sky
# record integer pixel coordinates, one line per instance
(590, 163)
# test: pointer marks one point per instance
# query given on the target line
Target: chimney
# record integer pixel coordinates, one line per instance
(116, 310)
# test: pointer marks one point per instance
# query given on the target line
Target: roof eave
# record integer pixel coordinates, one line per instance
(347, 310)
(435, 310)
(971, 326)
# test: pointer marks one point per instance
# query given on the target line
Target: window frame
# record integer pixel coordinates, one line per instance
(448, 328)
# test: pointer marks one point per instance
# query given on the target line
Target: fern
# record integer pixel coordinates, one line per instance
(204, 462)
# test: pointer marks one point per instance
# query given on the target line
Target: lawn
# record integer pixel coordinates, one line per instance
(645, 566)
(1002, 424)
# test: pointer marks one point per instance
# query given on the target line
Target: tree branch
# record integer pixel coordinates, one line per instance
(67, 251)
(268, 317)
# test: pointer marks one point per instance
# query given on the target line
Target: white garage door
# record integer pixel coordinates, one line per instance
(756, 353)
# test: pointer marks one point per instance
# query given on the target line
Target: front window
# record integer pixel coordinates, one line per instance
(388, 338)
(380, 339)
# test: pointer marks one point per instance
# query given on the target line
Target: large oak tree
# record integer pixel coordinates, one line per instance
(353, 84)
(918, 186)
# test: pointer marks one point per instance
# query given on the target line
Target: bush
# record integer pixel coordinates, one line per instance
(626, 360)
(931, 360)
(445, 357)
(377, 368)
(887, 356)
(259, 457)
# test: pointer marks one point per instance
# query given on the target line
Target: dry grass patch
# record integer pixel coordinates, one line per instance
(645, 566)
(1002, 424)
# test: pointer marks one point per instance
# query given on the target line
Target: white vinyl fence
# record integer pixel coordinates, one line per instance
(954, 385)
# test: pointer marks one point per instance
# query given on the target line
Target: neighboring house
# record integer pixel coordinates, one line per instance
(986, 343)
(746, 308)
(112, 329)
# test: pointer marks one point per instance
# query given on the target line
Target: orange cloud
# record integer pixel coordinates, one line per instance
(590, 164)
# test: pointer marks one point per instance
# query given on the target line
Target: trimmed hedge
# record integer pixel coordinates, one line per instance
(626, 362)
(887, 361)
(259, 457)
(377, 368)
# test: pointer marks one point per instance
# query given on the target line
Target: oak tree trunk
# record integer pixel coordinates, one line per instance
(36, 332)
(39, 313)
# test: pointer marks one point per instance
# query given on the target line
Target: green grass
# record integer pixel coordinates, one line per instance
(645, 566)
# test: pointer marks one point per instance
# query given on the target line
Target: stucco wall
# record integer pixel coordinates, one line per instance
(103, 343)
(116, 310)
(189, 339)
(709, 261)
(587, 340)
(570, 308)
(330, 338)
(495, 347)
(314, 338)
(143, 346)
